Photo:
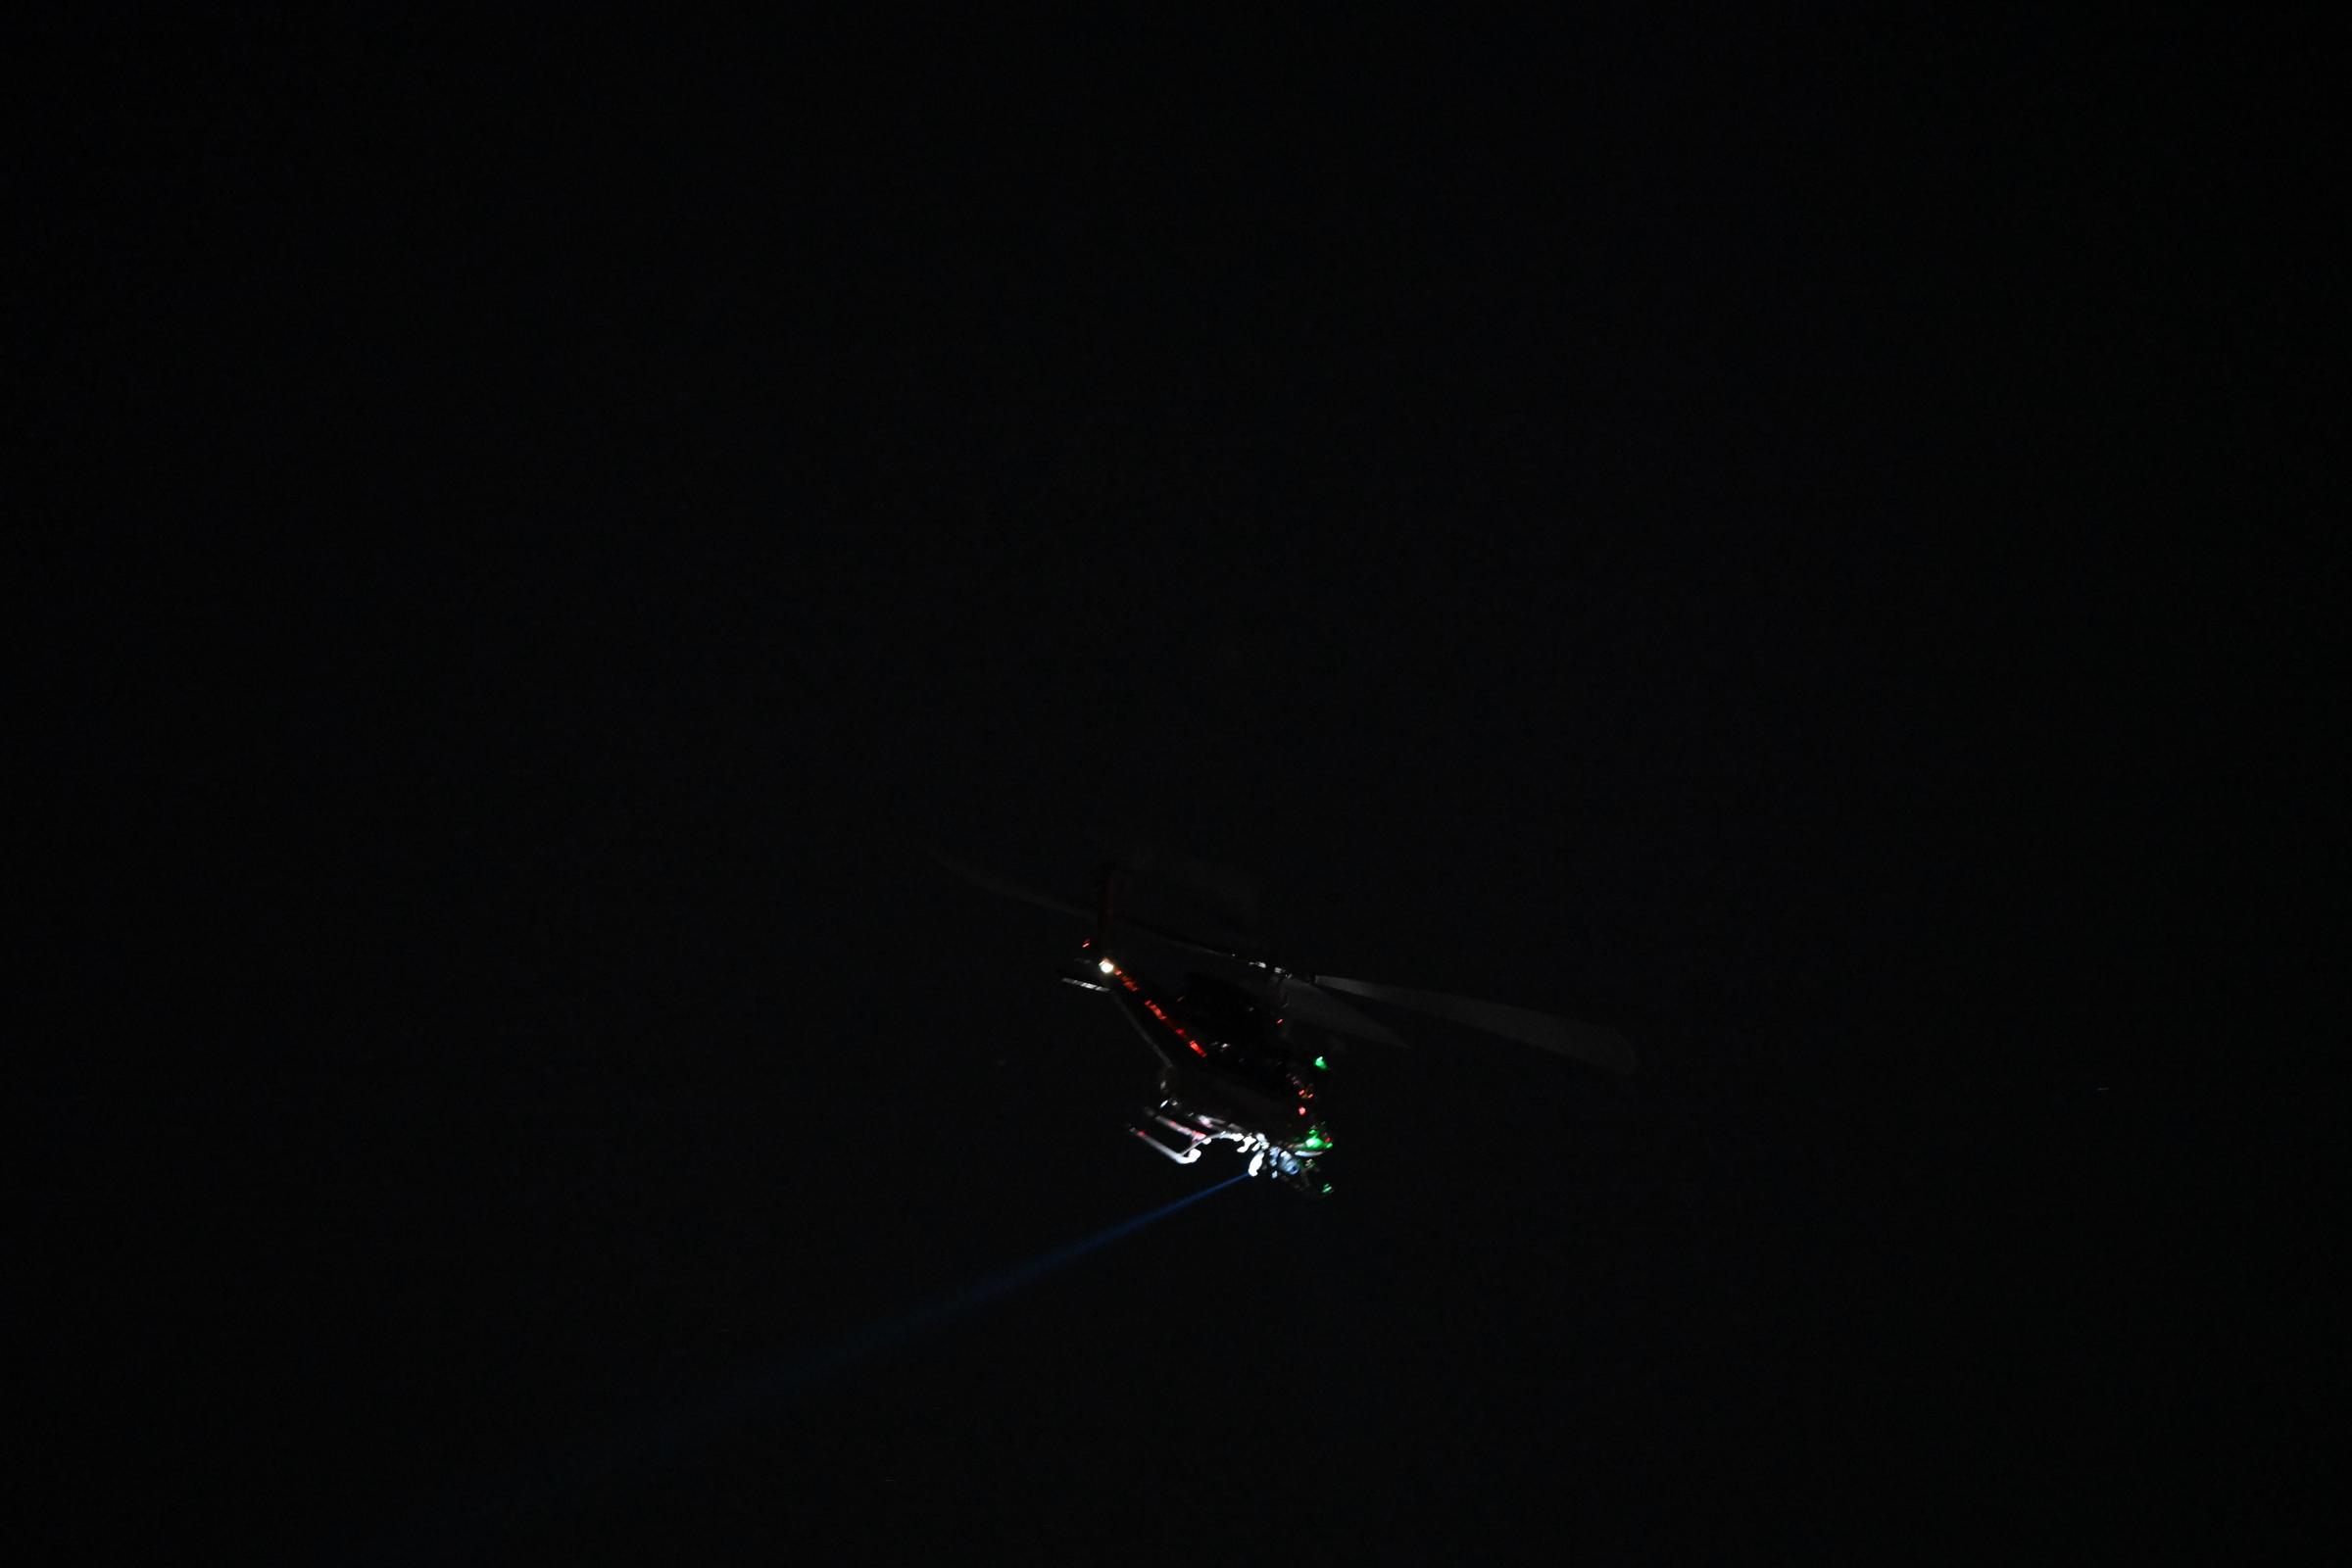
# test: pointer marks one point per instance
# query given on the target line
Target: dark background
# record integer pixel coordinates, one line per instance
(1778, 538)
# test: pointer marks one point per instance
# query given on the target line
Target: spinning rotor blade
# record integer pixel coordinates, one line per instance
(981, 876)
(1585, 1043)
(1315, 1005)
(1005, 887)
(1171, 939)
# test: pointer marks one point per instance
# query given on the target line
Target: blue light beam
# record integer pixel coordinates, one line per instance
(921, 1320)
(468, 1522)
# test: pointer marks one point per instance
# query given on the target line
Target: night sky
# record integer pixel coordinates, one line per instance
(1776, 539)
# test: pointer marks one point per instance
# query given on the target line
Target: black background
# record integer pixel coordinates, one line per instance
(1777, 537)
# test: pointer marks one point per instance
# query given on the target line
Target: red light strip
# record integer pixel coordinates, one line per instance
(1174, 1027)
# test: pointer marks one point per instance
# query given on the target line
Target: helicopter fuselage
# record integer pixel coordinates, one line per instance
(1229, 1069)
(1243, 1045)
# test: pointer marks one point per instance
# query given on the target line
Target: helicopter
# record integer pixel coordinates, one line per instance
(1244, 1042)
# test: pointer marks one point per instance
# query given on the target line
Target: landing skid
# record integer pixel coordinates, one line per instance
(1176, 1135)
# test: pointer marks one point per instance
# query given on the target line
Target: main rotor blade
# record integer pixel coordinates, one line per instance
(1138, 928)
(1318, 1007)
(981, 876)
(1005, 887)
(1585, 1043)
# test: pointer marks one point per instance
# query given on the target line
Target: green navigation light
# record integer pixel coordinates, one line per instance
(1325, 1065)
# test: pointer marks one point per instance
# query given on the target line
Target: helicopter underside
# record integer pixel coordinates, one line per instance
(1180, 1134)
